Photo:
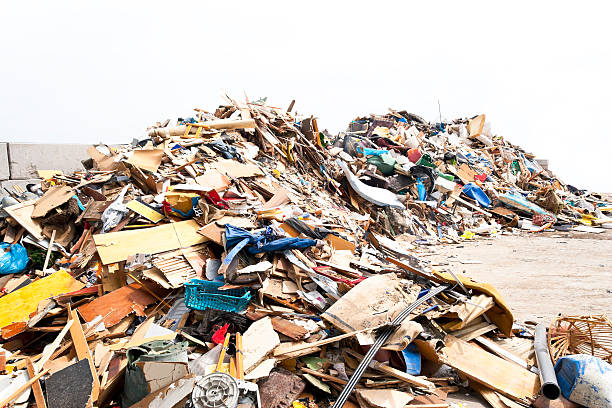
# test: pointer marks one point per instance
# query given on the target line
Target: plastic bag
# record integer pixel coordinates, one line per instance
(14, 260)
(585, 380)
(115, 212)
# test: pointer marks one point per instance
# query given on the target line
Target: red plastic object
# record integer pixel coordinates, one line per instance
(219, 336)
(414, 155)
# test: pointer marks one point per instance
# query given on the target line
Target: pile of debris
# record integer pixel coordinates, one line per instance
(243, 258)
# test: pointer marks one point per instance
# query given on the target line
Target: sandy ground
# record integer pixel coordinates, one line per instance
(540, 276)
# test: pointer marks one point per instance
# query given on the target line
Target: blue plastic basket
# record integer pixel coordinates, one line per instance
(201, 294)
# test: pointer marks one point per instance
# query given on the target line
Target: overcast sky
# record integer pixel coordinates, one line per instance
(102, 71)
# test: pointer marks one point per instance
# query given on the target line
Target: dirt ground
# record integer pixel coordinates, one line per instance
(539, 276)
(542, 275)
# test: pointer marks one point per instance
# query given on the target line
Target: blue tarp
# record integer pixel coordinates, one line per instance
(266, 242)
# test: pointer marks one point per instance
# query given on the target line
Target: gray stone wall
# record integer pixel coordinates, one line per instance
(19, 161)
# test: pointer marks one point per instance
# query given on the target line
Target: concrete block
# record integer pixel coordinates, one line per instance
(26, 158)
(4, 162)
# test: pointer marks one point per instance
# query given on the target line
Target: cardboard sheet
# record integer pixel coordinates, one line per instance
(54, 197)
(213, 180)
(147, 159)
(235, 169)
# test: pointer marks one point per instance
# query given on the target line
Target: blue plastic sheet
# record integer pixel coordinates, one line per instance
(14, 260)
(421, 189)
(412, 358)
(266, 242)
(585, 380)
(474, 192)
(368, 151)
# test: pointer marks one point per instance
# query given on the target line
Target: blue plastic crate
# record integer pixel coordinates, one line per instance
(201, 294)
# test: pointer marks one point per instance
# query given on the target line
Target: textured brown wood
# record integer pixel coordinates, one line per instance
(36, 388)
(289, 329)
(117, 304)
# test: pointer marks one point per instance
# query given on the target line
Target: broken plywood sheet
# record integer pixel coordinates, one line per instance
(466, 174)
(235, 169)
(156, 276)
(103, 162)
(113, 277)
(116, 305)
(53, 198)
(214, 230)
(147, 159)
(258, 342)
(22, 213)
(17, 307)
(374, 301)
(117, 246)
(279, 198)
(485, 368)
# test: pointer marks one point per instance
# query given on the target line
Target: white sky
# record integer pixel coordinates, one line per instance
(102, 71)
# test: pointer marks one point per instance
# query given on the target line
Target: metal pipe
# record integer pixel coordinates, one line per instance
(549, 388)
(380, 340)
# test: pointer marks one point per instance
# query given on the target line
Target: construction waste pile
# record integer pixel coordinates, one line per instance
(244, 258)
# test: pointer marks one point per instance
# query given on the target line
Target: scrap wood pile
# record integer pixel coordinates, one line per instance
(245, 258)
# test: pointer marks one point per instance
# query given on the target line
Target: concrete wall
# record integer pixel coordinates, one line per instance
(19, 161)
(4, 162)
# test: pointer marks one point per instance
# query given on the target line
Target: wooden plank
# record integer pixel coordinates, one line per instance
(500, 351)
(400, 375)
(285, 348)
(117, 246)
(326, 377)
(145, 211)
(494, 372)
(82, 351)
(36, 388)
